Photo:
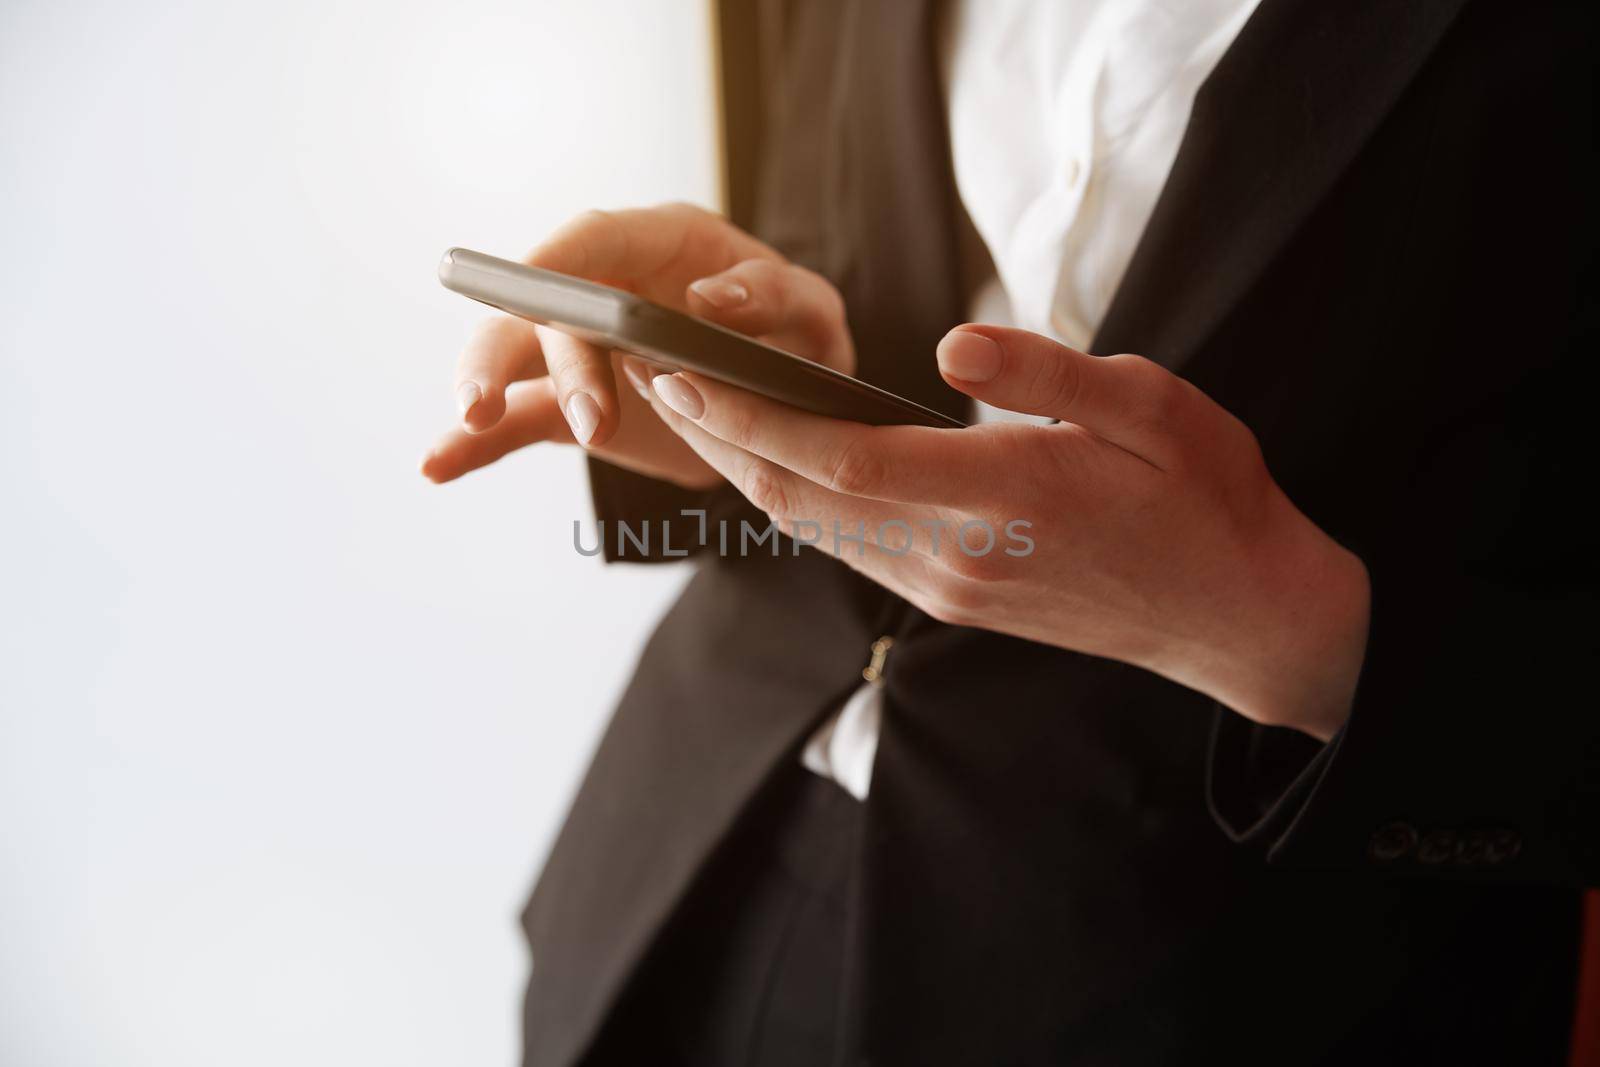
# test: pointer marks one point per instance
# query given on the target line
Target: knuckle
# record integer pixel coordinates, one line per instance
(981, 568)
(755, 270)
(953, 603)
(487, 329)
(737, 426)
(494, 330)
(939, 611)
(602, 227)
(827, 302)
(566, 357)
(1159, 398)
(856, 469)
(1130, 363)
(1242, 482)
(1170, 396)
(822, 313)
(1143, 374)
(1054, 382)
(1246, 445)
(568, 247)
(685, 208)
(765, 489)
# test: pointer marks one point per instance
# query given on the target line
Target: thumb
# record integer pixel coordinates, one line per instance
(1128, 400)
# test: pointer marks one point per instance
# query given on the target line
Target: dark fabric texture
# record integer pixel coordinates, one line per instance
(1376, 249)
(752, 969)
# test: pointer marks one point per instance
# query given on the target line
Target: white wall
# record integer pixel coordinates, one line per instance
(284, 730)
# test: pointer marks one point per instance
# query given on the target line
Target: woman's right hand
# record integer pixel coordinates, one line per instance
(518, 384)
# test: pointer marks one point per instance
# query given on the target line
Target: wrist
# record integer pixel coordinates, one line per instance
(1312, 636)
(1289, 650)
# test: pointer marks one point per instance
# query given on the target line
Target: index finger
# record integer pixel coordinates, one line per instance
(617, 247)
(900, 464)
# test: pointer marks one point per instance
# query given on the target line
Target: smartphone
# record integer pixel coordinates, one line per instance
(672, 340)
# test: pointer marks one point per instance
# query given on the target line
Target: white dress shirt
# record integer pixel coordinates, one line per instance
(1065, 118)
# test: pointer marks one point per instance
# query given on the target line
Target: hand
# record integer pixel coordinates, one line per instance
(518, 384)
(1158, 536)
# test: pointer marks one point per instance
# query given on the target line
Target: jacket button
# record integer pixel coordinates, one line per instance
(1502, 846)
(1472, 849)
(1437, 847)
(1392, 842)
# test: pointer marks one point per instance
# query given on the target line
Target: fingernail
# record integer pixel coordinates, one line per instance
(422, 464)
(679, 395)
(968, 356)
(636, 376)
(468, 394)
(720, 292)
(583, 415)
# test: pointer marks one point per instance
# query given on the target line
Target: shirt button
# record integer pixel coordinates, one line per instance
(1392, 842)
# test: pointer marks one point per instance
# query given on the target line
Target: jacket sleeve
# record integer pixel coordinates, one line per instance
(1473, 747)
(663, 522)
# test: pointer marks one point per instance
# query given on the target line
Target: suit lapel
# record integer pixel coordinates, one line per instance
(1283, 114)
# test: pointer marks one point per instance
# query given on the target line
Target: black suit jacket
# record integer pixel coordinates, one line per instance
(1376, 249)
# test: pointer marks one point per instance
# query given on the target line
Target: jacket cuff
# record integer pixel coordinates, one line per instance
(1258, 778)
(1465, 756)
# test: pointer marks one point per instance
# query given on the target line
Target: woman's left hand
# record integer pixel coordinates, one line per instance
(1144, 526)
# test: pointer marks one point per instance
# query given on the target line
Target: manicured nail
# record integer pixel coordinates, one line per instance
(636, 376)
(679, 395)
(583, 415)
(720, 292)
(968, 356)
(468, 394)
(422, 464)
